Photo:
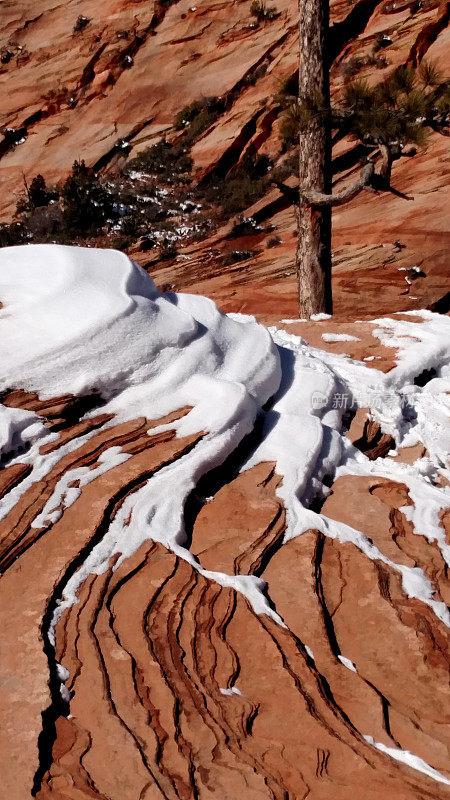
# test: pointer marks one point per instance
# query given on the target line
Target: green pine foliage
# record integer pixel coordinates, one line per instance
(396, 111)
(244, 185)
(287, 88)
(171, 163)
(12, 234)
(86, 203)
(81, 23)
(197, 117)
(298, 116)
(293, 120)
(188, 114)
(38, 193)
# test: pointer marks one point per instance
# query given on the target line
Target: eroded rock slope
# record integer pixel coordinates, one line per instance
(109, 90)
(218, 580)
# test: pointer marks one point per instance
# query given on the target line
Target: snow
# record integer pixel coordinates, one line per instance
(65, 495)
(62, 673)
(97, 324)
(320, 317)
(339, 337)
(233, 691)
(181, 351)
(64, 692)
(18, 429)
(347, 663)
(409, 759)
(302, 433)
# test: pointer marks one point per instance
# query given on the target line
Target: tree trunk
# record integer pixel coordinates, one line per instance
(313, 258)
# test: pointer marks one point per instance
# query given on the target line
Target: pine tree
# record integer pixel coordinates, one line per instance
(86, 203)
(385, 118)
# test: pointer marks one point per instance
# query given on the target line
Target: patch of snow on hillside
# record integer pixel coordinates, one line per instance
(346, 662)
(409, 759)
(230, 692)
(339, 337)
(302, 433)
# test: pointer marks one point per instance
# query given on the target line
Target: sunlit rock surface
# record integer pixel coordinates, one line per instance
(213, 584)
(136, 64)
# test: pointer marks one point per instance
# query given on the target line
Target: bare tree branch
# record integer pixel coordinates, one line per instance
(315, 198)
(320, 199)
(382, 180)
(368, 179)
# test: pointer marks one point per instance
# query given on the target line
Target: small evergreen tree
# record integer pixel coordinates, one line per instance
(38, 193)
(81, 23)
(86, 203)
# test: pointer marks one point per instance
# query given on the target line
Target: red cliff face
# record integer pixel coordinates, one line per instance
(178, 689)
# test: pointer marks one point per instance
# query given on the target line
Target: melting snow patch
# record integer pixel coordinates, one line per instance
(233, 691)
(63, 675)
(65, 495)
(339, 337)
(64, 692)
(409, 759)
(62, 672)
(347, 663)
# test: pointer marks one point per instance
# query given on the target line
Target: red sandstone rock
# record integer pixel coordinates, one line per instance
(177, 688)
(29, 555)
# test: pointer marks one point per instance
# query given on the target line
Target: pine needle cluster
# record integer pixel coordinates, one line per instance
(396, 111)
